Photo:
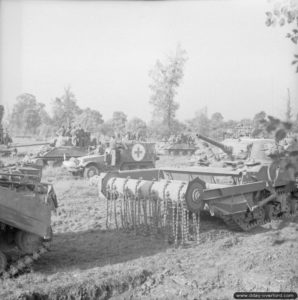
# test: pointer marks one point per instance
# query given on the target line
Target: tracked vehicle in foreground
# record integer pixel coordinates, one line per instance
(172, 198)
(25, 218)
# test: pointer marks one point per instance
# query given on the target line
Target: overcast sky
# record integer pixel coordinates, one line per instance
(104, 51)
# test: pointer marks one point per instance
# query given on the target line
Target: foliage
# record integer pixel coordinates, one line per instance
(166, 77)
(276, 127)
(89, 119)
(200, 123)
(258, 121)
(295, 125)
(65, 108)
(282, 13)
(135, 125)
(119, 120)
(217, 126)
(106, 128)
(289, 114)
(1, 113)
(26, 114)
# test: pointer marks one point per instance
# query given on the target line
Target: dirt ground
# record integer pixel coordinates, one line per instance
(89, 261)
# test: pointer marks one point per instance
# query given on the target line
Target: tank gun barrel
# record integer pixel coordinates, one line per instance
(27, 145)
(228, 150)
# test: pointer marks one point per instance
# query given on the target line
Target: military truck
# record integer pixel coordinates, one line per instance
(133, 155)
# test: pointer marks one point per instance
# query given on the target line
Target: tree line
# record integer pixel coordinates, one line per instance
(29, 116)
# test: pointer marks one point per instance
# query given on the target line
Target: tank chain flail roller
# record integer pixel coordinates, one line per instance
(151, 207)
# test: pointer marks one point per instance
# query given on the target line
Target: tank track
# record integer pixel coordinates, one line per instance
(239, 222)
(22, 264)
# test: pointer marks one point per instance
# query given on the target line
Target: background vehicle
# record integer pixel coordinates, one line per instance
(136, 155)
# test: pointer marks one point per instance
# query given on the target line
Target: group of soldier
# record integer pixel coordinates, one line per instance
(78, 136)
(182, 139)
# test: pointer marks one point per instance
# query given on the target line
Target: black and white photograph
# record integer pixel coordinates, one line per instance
(148, 149)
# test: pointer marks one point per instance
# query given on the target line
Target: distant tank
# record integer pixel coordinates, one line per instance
(181, 149)
(25, 218)
(56, 152)
(181, 145)
(244, 151)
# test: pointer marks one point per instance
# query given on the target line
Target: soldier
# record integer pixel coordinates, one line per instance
(68, 131)
(7, 139)
(61, 131)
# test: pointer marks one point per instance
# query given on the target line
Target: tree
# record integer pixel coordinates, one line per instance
(166, 79)
(216, 124)
(25, 116)
(200, 123)
(258, 122)
(136, 124)
(217, 119)
(289, 108)
(295, 125)
(282, 13)
(65, 108)
(119, 119)
(89, 119)
(106, 128)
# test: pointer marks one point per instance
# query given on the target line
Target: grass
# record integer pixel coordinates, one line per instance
(87, 261)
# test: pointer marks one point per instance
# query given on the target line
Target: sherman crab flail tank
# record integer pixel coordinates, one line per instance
(172, 199)
(25, 218)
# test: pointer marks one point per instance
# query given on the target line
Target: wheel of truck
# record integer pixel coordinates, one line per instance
(91, 171)
(3, 262)
(27, 242)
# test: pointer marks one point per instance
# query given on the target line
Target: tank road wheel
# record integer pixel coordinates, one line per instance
(27, 242)
(91, 171)
(3, 262)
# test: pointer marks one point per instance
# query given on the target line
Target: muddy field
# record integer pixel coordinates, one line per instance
(87, 261)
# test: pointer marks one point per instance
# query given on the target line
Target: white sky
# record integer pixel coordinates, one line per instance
(104, 51)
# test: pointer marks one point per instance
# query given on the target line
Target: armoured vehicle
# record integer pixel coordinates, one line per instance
(54, 153)
(173, 198)
(135, 155)
(243, 151)
(181, 149)
(182, 144)
(25, 218)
